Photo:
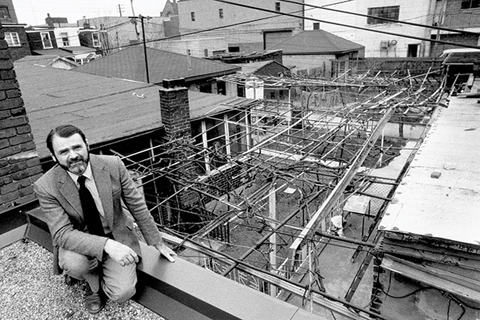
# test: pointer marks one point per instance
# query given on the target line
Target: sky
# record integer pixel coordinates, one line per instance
(34, 12)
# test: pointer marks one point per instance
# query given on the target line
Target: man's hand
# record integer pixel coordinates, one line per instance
(120, 252)
(165, 251)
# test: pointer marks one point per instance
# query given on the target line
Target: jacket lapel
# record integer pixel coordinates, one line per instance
(69, 190)
(104, 187)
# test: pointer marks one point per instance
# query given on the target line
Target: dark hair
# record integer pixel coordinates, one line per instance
(64, 131)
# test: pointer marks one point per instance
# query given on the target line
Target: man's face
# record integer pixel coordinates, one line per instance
(71, 153)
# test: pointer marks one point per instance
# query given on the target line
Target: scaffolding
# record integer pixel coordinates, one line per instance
(301, 161)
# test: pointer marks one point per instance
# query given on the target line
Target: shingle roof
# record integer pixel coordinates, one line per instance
(130, 64)
(105, 108)
(316, 42)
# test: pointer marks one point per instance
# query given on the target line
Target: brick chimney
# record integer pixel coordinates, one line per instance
(19, 162)
(175, 109)
(175, 113)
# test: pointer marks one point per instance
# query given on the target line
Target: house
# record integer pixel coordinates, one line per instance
(58, 37)
(15, 35)
(363, 29)
(129, 63)
(110, 34)
(312, 51)
(240, 85)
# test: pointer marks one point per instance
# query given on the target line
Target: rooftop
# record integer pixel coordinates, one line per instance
(130, 64)
(441, 188)
(316, 42)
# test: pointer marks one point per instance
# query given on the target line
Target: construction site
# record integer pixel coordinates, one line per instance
(289, 202)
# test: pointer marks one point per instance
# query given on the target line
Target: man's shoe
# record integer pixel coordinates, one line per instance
(94, 303)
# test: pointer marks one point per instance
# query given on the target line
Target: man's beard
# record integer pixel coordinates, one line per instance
(76, 165)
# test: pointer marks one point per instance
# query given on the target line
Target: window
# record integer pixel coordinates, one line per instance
(391, 13)
(412, 50)
(316, 26)
(4, 12)
(192, 15)
(65, 41)
(277, 6)
(220, 13)
(95, 40)
(205, 52)
(468, 4)
(12, 39)
(46, 41)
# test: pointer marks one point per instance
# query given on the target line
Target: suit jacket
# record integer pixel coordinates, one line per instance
(62, 210)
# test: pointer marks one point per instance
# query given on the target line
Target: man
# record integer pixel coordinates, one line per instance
(94, 240)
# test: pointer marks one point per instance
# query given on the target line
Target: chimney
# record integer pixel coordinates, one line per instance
(86, 23)
(49, 21)
(175, 109)
(175, 113)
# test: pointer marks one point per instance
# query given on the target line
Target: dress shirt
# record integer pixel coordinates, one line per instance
(92, 187)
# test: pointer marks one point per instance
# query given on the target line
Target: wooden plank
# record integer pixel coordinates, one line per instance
(424, 275)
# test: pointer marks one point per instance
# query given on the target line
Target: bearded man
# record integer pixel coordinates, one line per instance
(94, 240)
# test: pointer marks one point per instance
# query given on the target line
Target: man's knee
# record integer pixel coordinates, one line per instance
(119, 294)
(75, 264)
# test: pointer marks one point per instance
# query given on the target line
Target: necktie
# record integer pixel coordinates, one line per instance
(90, 211)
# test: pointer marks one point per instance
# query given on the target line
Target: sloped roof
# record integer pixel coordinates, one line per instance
(251, 68)
(105, 108)
(316, 42)
(130, 64)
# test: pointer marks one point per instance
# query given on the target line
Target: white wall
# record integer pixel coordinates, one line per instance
(72, 36)
(418, 11)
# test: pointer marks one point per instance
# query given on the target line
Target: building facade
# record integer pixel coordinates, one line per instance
(244, 28)
(381, 38)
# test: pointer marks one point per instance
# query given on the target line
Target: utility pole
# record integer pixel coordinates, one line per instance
(134, 20)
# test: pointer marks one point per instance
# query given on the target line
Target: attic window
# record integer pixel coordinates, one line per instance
(391, 13)
(468, 4)
(12, 39)
(277, 6)
(192, 15)
(220, 13)
(4, 12)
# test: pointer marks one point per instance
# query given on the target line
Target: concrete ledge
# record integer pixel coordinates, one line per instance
(183, 290)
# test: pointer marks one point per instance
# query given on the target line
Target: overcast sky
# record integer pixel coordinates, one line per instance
(34, 12)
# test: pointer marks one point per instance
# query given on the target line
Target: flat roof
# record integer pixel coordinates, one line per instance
(440, 195)
(105, 108)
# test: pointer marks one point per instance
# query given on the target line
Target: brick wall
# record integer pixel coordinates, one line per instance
(19, 162)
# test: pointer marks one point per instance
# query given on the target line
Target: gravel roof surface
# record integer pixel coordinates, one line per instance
(29, 290)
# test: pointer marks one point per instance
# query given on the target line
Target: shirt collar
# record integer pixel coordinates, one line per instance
(88, 174)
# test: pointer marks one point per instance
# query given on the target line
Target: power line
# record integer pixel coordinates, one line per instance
(387, 19)
(354, 27)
